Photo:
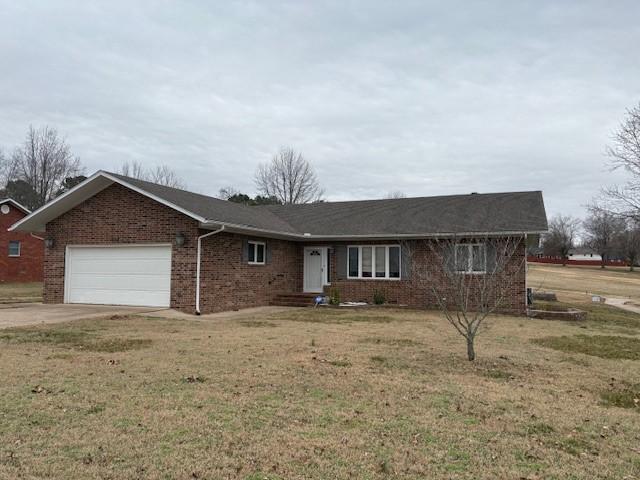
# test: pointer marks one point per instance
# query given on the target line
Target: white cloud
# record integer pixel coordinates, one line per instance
(412, 96)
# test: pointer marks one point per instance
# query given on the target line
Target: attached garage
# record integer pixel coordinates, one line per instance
(118, 275)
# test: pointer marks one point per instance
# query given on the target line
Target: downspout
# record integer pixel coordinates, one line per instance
(526, 274)
(198, 265)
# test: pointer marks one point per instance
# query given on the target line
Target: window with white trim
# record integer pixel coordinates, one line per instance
(256, 253)
(14, 248)
(373, 261)
(471, 258)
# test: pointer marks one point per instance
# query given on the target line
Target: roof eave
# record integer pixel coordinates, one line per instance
(15, 204)
(249, 230)
(36, 221)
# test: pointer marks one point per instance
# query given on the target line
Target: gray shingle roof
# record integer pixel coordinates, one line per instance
(211, 208)
(473, 213)
(481, 213)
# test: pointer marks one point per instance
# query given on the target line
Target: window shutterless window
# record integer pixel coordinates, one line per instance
(14, 248)
(256, 253)
(373, 261)
(471, 257)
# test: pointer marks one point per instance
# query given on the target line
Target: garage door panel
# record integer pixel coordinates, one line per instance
(130, 297)
(120, 282)
(117, 275)
(131, 266)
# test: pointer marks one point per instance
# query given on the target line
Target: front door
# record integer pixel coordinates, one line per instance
(314, 269)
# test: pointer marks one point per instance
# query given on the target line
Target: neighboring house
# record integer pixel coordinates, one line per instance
(117, 240)
(21, 254)
(584, 254)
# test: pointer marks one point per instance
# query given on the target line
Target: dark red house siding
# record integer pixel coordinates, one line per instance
(28, 266)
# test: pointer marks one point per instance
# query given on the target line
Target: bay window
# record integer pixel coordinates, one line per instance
(374, 261)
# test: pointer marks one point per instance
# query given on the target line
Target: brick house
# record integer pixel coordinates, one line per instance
(21, 254)
(119, 240)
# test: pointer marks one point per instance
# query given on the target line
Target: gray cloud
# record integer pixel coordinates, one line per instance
(413, 96)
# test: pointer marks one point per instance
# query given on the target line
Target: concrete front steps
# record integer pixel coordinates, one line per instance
(294, 299)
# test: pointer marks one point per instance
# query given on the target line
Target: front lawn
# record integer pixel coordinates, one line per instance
(20, 292)
(313, 394)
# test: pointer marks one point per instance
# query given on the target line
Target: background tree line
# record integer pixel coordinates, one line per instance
(44, 167)
(612, 227)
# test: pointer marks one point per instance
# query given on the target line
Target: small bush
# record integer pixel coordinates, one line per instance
(334, 297)
(379, 298)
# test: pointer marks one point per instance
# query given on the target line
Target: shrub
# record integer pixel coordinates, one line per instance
(334, 296)
(378, 298)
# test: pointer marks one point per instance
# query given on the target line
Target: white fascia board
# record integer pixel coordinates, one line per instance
(244, 229)
(15, 204)
(141, 191)
(84, 190)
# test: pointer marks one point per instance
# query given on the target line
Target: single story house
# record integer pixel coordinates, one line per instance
(119, 240)
(584, 254)
(21, 254)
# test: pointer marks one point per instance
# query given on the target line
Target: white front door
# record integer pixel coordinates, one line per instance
(314, 261)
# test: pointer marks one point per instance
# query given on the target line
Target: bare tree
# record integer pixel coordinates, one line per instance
(396, 194)
(289, 177)
(561, 237)
(624, 153)
(225, 193)
(43, 162)
(629, 244)
(602, 231)
(468, 279)
(134, 170)
(161, 174)
(6, 173)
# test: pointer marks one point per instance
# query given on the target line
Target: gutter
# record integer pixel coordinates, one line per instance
(245, 229)
(199, 249)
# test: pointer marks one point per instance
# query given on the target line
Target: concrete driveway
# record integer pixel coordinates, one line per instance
(21, 314)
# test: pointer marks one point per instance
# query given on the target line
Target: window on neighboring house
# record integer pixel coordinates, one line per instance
(471, 257)
(256, 253)
(377, 261)
(14, 248)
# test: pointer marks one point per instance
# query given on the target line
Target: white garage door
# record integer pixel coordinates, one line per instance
(119, 275)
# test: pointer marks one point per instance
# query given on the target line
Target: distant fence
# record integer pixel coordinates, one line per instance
(561, 261)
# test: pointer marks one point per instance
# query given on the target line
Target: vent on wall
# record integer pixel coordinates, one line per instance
(5, 209)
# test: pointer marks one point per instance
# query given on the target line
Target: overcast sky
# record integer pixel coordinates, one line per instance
(424, 97)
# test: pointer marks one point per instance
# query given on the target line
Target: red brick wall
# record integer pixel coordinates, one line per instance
(118, 215)
(228, 282)
(28, 266)
(416, 292)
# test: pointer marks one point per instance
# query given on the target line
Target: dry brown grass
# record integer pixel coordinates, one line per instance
(311, 394)
(20, 292)
(578, 282)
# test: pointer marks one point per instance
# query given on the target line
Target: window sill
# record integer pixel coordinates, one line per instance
(256, 263)
(14, 256)
(392, 279)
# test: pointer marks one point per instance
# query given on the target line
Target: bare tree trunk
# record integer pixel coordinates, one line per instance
(471, 352)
